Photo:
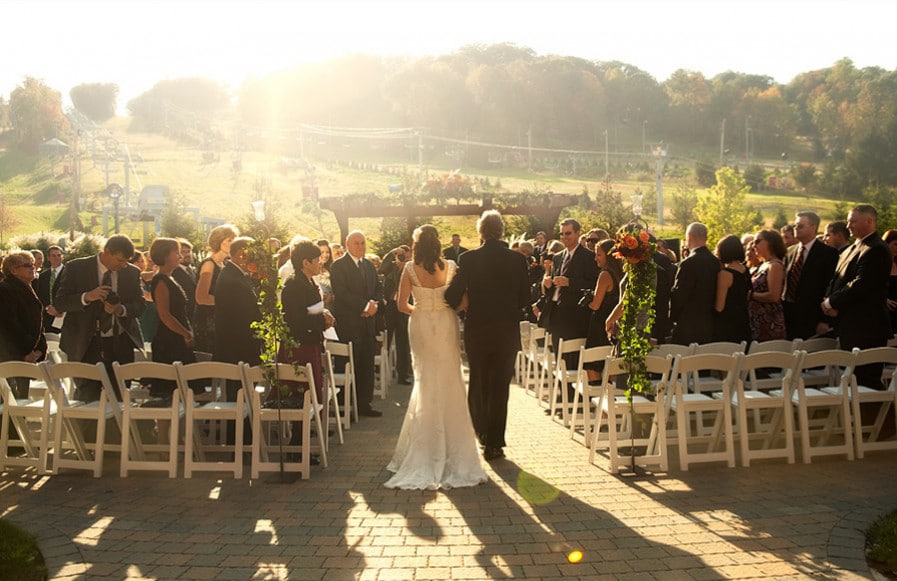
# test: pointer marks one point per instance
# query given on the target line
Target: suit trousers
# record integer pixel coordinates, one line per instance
(491, 362)
(363, 350)
(397, 330)
(106, 349)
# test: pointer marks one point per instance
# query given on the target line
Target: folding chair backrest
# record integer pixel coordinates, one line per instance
(720, 347)
(840, 363)
(570, 345)
(818, 344)
(125, 373)
(704, 362)
(58, 373)
(594, 354)
(301, 374)
(787, 363)
(884, 355)
(673, 349)
(777, 345)
(214, 372)
(338, 349)
(10, 369)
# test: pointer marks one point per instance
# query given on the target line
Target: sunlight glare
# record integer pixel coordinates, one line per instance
(264, 525)
(535, 490)
(91, 536)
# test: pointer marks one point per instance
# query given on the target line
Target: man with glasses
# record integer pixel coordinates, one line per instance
(46, 287)
(809, 266)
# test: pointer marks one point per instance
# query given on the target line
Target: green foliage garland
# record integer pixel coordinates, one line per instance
(634, 247)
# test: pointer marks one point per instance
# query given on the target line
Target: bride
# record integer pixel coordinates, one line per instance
(437, 447)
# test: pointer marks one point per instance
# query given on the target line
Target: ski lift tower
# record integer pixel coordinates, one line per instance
(660, 157)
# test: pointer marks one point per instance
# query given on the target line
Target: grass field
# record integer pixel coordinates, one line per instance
(38, 195)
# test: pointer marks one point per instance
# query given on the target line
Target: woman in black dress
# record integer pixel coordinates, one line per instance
(891, 240)
(733, 283)
(605, 298)
(21, 317)
(174, 337)
(220, 239)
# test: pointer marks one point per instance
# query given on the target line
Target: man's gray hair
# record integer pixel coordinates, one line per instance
(490, 225)
(697, 230)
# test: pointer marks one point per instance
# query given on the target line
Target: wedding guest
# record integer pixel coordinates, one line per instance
(666, 277)
(219, 242)
(149, 320)
(337, 250)
(891, 240)
(21, 313)
(787, 234)
(46, 287)
(809, 266)
(455, 250)
(837, 235)
(38, 265)
(767, 315)
(397, 321)
(751, 260)
(694, 290)
(173, 340)
(733, 283)
(604, 299)
(539, 246)
(185, 275)
(306, 322)
(323, 279)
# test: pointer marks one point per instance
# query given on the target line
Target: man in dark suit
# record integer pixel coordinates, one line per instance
(454, 251)
(694, 291)
(809, 266)
(102, 298)
(666, 276)
(396, 321)
(573, 271)
(356, 298)
(47, 287)
(858, 292)
(494, 280)
(185, 275)
(837, 235)
(236, 308)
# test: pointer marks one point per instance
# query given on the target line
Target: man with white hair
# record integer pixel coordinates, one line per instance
(694, 291)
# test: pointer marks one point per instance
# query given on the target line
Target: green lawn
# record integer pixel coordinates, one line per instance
(20, 558)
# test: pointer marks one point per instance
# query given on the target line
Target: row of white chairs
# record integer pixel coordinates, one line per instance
(55, 413)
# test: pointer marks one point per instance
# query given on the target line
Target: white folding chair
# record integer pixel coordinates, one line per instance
(864, 394)
(262, 445)
(533, 357)
(344, 380)
(772, 418)
(777, 345)
(382, 370)
(672, 349)
(824, 375)
(835, 402)
(620, 415)
(562, 377)
(196, 448)
(583, 392)
(133, 448)
(71, 414)
(692, 434)
(32, 419)
(520, 359)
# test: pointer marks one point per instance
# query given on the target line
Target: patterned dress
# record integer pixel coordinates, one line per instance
(767, 319)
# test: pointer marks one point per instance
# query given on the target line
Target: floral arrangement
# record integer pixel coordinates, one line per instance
(451, 185)
(635, 248)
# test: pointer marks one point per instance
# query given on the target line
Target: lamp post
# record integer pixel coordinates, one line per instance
(115, 192)
(644, 135)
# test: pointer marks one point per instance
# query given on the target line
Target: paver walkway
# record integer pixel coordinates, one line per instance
(544, 501)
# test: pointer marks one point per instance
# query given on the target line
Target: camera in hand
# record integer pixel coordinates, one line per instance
(112, 298)
(587, 296)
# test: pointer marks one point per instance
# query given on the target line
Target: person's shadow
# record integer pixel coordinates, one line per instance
(545, 532)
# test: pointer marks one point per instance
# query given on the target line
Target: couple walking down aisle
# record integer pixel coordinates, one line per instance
(437, 446)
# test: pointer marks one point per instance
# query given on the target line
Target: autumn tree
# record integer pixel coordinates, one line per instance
(36, 112)
(95, 100)
(723, 209)
(8, 217)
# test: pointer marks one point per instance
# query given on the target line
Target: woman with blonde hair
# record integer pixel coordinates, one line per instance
(22, 316)
(219, 242)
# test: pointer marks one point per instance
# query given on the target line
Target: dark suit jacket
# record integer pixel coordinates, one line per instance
(43, 293)
(859, 291)
(802, 315)
(236, 308)
(351, 293)
(693, 296)
(81, 323)
(187, 279)
(495, 280)
(21, 321)
(566, 319)
(666, 276)
(298, 294)
(450, 254)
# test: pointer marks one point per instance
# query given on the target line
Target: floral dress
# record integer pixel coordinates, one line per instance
(767, 319)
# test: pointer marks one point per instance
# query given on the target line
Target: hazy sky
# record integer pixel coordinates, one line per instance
(137, 43)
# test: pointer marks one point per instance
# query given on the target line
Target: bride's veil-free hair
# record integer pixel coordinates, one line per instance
(427, 248)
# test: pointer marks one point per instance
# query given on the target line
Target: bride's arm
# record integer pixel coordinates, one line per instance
(404, 295)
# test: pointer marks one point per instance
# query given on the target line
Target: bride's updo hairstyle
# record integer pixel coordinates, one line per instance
(427, 248)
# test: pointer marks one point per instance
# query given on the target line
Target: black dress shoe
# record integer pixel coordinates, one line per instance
(405, 381)
(370, 412)
(493, 453)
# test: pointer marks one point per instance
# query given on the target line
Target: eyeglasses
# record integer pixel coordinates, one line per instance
(592, 240)
(570, 233)
(798, 226)
(27, 265)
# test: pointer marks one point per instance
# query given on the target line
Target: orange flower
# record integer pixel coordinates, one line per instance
(643, 236)
(631, 242)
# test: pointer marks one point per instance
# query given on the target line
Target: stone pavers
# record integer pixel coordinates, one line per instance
(769, 521)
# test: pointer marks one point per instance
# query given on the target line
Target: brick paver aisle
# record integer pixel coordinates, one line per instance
(544, 501)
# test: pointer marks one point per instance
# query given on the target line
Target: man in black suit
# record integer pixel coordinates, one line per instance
(356, 298)
(454, 251)
(573, 271)
(837, 235)
(236, 308)
(185, 275)
(493, 279)
(47, 287)
(858, 292)
(102, 298)
(396, 321)
(666, 276)
(809, 266)
(694, 291)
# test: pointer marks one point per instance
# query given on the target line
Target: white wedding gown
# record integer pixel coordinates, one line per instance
(437, 446)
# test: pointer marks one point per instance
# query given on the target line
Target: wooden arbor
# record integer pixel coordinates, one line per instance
(344, 209)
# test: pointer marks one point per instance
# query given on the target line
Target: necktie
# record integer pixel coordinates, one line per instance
(52, 283)
(794, 276)
(364, 282)
(105, 318)
(562, 272)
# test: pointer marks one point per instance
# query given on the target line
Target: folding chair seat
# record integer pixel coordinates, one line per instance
(342, 381)
(863, 394)
(196, 448)
(583, 392)
(72, 414)
(615, 410)
(382, 370)
(133, 448)
(834, 402)
(562, 377)
(772, 417)
(32, 418)
(263, 446)
(690, 434)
